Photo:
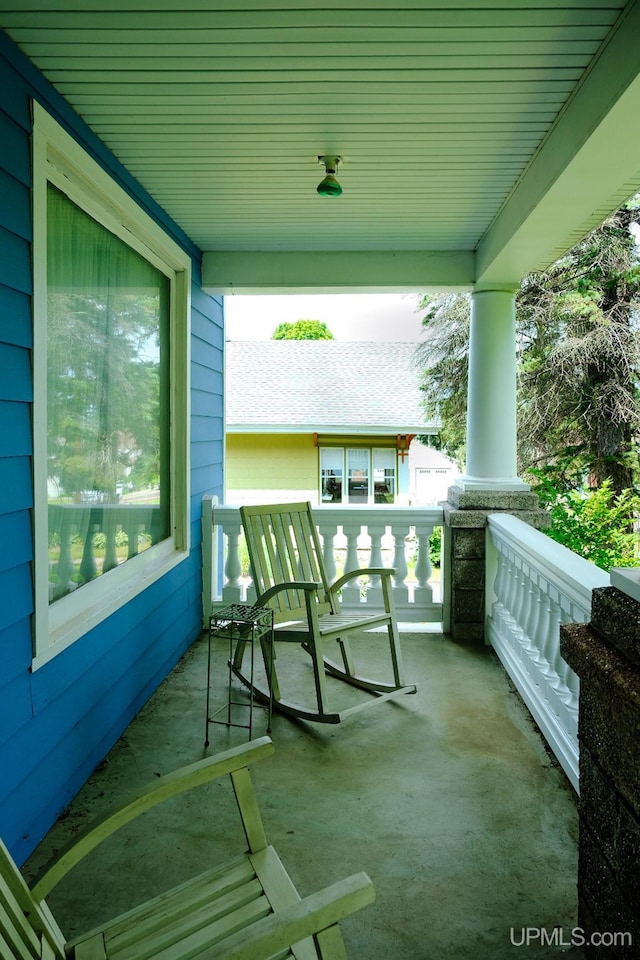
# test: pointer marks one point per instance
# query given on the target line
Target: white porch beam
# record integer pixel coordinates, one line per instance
(587, 167)
(335, 271)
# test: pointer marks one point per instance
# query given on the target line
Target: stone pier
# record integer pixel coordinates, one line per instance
(605, 654)
(465, 523)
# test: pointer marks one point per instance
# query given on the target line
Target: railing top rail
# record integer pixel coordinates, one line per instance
(392, 513)
(554, 561)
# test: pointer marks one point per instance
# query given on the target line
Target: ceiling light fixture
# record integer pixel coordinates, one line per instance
(329, 186)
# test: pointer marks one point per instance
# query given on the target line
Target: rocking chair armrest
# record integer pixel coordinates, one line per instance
(170, 785)
(311, 586)
(364, 572)
(297, 921)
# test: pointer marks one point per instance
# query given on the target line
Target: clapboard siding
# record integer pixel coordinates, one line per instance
(15, 201)
(97, 699)
(15, 263)
(15, 702)
(15, 363)
(15, 150)
(16, 591)
(15, 318)
(15, 484)
(207, 421)
(58, 722)
(15, 428)
(15, 537)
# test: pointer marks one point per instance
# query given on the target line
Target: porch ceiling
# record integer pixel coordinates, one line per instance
(477, 143)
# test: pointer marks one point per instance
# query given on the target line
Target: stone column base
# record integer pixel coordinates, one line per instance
(606, 656)
(465, 522)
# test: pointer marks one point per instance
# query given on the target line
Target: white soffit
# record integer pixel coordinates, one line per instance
(463, 127)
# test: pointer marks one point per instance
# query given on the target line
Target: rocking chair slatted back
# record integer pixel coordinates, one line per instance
(284, 547)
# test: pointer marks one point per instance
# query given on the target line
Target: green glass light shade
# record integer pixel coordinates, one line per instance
(329, 187)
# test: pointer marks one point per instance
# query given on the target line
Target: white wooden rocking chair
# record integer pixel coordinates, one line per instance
(247, 909)
(289, 576)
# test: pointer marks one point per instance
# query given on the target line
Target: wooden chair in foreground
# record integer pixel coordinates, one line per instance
(245, 910)
(289, 576)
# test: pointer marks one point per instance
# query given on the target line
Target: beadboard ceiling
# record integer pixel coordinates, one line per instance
(444, 113)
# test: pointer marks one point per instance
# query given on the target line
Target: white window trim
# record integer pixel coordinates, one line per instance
(60, 160)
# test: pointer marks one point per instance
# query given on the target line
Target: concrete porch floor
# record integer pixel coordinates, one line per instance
(448, 799)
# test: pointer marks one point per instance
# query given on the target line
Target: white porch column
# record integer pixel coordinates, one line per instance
(491, 400)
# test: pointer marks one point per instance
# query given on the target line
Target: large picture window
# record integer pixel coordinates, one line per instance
(108, 450)
(111, 332)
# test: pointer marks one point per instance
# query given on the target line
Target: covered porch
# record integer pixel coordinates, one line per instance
(449, 799)
(475, 145)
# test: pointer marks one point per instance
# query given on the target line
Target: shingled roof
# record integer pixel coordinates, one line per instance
(324, 386)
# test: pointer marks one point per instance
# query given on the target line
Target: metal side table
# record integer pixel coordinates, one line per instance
(238, 622)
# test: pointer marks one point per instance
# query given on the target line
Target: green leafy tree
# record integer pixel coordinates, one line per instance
(302, 330)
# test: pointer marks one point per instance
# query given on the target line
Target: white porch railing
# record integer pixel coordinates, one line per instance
(537, 585)
(540, 584)
(352, 537)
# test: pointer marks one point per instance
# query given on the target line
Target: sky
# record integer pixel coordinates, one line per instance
(381, 317)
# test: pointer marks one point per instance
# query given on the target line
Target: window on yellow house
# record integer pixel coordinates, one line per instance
(370, 475)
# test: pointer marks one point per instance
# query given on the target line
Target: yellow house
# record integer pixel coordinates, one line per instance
(322, 420)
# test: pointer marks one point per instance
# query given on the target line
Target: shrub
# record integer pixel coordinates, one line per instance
(435, 547)
(596, 524)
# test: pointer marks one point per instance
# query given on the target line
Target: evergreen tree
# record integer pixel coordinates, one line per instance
(578, 361)
(443, 357)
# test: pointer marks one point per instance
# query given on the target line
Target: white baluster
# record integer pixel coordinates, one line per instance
(351, 591)
(423, 563)
(423, 593)
(374, 588)
(500, 612)
(562, 667)
(573, 688)
(571, 679)
(513, 580)
(538, 627)
(522, 600)
(399, 555)
(327, 532)
(232, 589)
(531, 626)
(499, 584)
(552, 649)
(351, 560)
(399, 586)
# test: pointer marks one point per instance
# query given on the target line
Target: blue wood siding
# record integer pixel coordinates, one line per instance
(58, 723)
